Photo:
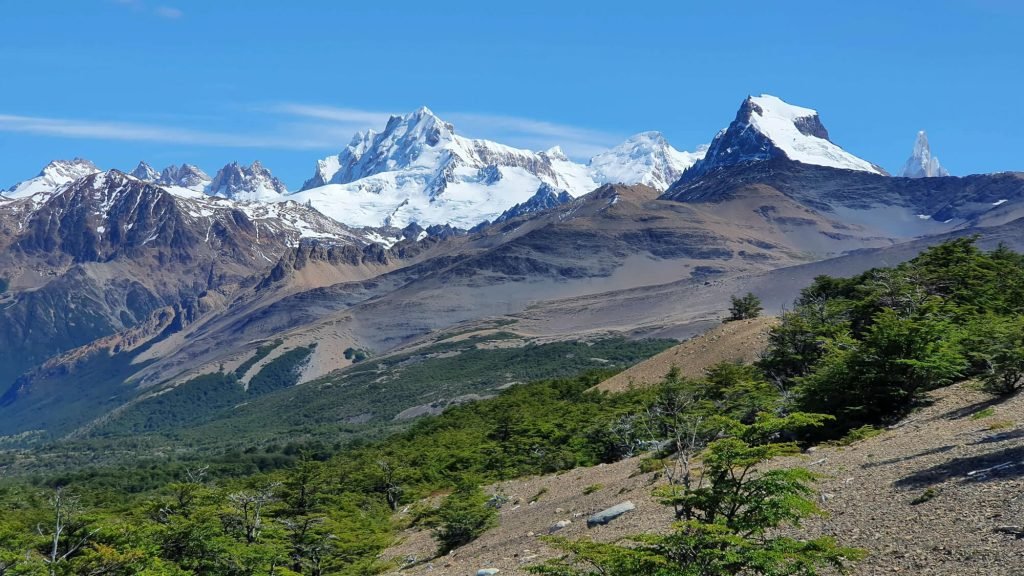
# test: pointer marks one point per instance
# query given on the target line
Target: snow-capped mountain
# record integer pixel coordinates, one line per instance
(545, 198)
(105, 213)
(249, 183)
(184, 176)
(144, 172)
(52, 176)
(765, 128)
(921, 163)
(646, 158)
(419, 170)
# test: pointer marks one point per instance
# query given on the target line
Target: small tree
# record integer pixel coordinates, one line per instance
(881, 376)
(744, 307)
(728, 515)
(1003, 356)
(463, 517)
(249, 508)
(67, 535)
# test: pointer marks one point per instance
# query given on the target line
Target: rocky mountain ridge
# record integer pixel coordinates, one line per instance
(98, 256)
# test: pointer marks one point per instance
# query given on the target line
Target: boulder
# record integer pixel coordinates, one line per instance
(559, 525)
(605, 516)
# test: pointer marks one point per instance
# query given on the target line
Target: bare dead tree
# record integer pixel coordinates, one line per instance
(311, 548)
(67, 536)
(675, 421)
(389, 484)
(249, 507)
(196, 475)
(184, 494)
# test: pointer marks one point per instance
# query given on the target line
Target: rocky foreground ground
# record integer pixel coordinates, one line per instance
(941, 493)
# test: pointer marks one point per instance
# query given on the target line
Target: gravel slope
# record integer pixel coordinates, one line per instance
(867, 488)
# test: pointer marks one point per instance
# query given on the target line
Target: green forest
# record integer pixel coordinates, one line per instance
(851, 354)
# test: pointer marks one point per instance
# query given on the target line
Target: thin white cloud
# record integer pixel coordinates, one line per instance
(102, 130)
(317, 127)
(531, 128)
(512, 130)
(168, 12)
(165, 12)
(344, 115)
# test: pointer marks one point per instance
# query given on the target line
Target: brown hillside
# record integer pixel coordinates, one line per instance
(740, 341)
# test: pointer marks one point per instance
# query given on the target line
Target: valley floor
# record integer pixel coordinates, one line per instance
(941, 493)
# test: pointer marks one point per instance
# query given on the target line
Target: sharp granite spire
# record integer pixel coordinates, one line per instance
(921, 163)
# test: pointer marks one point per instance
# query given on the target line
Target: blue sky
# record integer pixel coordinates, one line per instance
(209, 82)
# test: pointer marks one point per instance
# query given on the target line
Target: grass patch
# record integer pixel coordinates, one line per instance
(648, 465)
(925, 496)
(591, 489)
(858, 434)
(540, 494)
(1000, 424)
(990, 411)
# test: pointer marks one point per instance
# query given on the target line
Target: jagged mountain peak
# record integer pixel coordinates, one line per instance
(556, 153)
(419, 169)
(644, 158)
(921, 163)
(405, 141)
(766, 127)
(143, 171)
(54, 175)
(184, 176)
(247, 183)
(546, 197)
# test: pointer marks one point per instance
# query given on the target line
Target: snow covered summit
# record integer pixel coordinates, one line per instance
(53, 176)
(418, 169)
(646, 158)
(184, 176)
(766, 127)
(144, 172)
(921, 163)
(248, 183)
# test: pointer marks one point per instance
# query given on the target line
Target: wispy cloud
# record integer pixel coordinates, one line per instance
(535, 134)
(103, 130)
(512, 130)
(168, 13)
(345, 115)
(296, 126)
(165, 12)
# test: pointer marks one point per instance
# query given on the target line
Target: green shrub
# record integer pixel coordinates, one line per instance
(858, 434)
(354, 354)
(648, 465)
(1002, 353)
(744, 307)
(924, 497)
(540, 494)
(727, 518)
(463, 517)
